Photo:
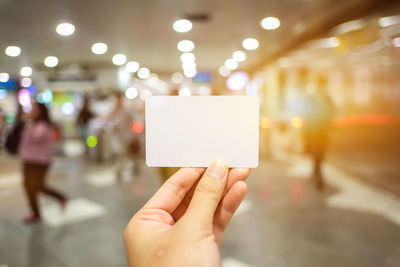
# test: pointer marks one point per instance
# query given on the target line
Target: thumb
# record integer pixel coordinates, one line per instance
(207, 194)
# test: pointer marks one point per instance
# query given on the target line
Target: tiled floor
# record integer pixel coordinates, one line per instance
(284, 221)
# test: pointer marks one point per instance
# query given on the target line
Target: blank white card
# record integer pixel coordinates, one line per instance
(192, 131)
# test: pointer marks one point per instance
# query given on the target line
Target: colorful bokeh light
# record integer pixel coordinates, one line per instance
(266, 123)
(10, 117)
(137, 127)
(91, 141)
(297, 122)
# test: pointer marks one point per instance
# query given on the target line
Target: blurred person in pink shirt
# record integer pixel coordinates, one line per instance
(36, 151)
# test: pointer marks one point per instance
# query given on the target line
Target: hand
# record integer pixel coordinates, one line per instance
(183, 223)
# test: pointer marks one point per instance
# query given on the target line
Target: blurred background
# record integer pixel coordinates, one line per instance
(327, 190)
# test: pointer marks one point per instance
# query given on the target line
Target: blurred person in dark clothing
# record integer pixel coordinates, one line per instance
(127, 145)
(318, 122)
(84, 117)
(35, 152)
(3, 126)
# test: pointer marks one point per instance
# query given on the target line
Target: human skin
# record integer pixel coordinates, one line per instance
(183, 223)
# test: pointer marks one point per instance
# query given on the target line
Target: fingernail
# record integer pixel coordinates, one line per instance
(218, 169)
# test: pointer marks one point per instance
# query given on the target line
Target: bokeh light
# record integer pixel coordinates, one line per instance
(131, 93)
(186, 66)
(26, 82)
(26, 71)
(252, 89)
(143, 73)
(119, 59)
(10, 117)
(45, 97)
(3, 94)
(4, 77)
(51, 61)
(239, 56)
(297, 122)
(190, 73)
(67, 109)
(188, 57)
(99, 48)
(185, 46)
(182, 25)
(24, 97)
(13, 51)
(132, 66)
(250, 44)
(177, 77)
(237, 81)
(266, 123)
(223, 71)
(91, 141)
(185, 92)
(146, 93)
(231, 64)
(270, 23)
(65, 29)
(137, 127)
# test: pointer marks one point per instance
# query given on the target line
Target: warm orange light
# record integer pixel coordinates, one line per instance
(266, 123)
(297, 122)
(366, 119)
(137, 127)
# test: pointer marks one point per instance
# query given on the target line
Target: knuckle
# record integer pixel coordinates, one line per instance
(208, 190)
(177, 188)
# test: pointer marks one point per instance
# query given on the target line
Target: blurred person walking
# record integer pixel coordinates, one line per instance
(3, 126)
(318, 122)
(35, 152)
(127, 143)
(84, 117)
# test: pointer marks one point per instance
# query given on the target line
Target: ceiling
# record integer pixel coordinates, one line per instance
(143, 30)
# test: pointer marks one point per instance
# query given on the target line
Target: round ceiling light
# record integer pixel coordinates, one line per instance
(99, 48)
(65, 29)
(182, 25)
(190, 73)
(143, 73)
(270, 23)
(239, 56)
(231, 64)
(51, 61)
(119, 59)
(188, 57)
(13, 51)
(189, 65)
(26, 71)
(250, 44)
(185, 46)
(132, 66)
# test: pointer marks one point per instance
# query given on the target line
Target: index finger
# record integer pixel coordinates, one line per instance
(173, 191)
